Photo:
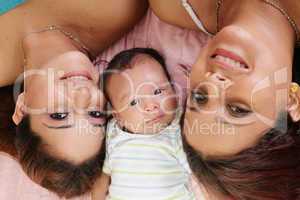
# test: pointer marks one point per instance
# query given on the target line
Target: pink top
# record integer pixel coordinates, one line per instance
(15, 184)
(179, 46)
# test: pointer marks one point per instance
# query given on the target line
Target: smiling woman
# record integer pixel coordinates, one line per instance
(60, 115)
(60, 128)
(241, 125)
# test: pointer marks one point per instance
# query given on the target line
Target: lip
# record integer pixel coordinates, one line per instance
(155, 119)
(231, 55)
(85, 74)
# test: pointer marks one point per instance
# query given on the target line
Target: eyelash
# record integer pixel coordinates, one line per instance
(234, 110)
(63, 116)
(160, 91)
(59, 116)
(135, 101)
(96, 114)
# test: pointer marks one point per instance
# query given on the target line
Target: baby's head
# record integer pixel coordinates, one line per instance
(139, 89)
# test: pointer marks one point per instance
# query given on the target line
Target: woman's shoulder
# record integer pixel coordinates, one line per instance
(175, 13)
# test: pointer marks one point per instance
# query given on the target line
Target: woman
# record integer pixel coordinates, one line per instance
(60, 128)
(239, 139)
(60, 113)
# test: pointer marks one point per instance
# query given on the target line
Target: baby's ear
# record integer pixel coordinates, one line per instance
(19, 109)
(294, 102)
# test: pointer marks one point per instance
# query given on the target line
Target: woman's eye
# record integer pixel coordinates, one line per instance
(133, 102)
(96, 114)
(237, 111)
(59, 116)
(157, 91)
(199, 97)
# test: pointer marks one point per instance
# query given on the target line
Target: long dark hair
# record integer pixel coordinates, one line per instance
(268, 171)
(7, 127)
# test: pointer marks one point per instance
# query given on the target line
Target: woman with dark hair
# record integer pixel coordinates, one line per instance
(59, 115)
(241, 125)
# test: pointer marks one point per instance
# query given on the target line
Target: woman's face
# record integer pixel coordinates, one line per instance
(238, 87)
(66, 107)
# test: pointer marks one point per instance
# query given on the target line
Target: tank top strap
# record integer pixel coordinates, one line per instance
(187, 6)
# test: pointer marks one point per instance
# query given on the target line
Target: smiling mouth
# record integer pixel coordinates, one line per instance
(77, 75)
(228, 59)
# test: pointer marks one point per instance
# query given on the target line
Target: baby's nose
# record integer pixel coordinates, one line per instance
(151, 106)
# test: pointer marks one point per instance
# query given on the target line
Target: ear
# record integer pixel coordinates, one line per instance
(294, 102)
(19, 109)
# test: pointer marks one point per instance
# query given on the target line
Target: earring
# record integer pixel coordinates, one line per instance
(294, 87)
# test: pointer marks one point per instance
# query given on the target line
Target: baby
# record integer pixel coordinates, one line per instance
(144, 153)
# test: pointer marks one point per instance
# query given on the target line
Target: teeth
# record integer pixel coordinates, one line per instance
(230, 61)
(78, 78)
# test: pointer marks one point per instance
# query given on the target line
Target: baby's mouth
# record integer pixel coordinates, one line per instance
(155, 119)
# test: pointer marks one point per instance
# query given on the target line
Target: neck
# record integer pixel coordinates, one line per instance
(41, 47)
(257, 15)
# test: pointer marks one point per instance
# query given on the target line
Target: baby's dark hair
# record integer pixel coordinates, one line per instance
(123, 61)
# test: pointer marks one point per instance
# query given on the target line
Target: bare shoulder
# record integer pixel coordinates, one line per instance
(100, 188)
(10, 56)
(173, 12)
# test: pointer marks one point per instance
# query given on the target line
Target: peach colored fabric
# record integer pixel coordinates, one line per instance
(15, 184)
(179, 46)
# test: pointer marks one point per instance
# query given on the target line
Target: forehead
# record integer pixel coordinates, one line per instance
(144, 71)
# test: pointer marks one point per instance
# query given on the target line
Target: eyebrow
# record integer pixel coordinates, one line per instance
(58, 127)
(225, 121)
(70, 126)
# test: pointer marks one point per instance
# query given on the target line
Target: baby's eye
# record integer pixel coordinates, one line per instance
(157, 91)
(59, 116)
(96, 114)
(133, 102)
(237, 111)
(199, 97)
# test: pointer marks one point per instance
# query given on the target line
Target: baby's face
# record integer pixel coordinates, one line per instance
(142, 97)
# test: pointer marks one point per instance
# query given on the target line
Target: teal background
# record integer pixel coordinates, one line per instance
(6, 5)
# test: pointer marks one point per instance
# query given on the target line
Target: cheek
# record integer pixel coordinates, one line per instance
(38, 99)
(265, 105)
(198, 71)
(130, 115)
(168, 102)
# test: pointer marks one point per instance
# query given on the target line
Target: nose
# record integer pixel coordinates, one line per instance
(151, 106)
(82, 98)
(219, 79)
